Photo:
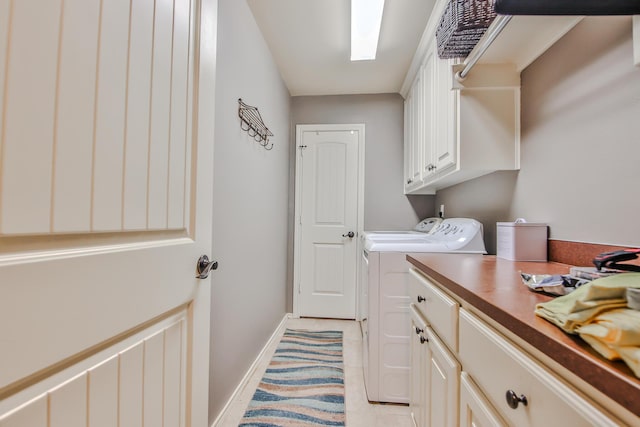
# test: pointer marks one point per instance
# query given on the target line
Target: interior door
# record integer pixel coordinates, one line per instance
(327, 212)
(105, 207)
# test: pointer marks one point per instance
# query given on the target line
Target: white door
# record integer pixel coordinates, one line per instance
(105, 207)
(328, 208)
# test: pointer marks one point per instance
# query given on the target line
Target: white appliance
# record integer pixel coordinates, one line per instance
(384, 295)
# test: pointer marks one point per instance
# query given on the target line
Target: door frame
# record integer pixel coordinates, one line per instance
(360, 128)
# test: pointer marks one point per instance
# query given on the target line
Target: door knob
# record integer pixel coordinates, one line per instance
(349, 234)
(204, 266)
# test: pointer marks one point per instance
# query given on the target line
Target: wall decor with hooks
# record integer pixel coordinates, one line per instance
(251, 122)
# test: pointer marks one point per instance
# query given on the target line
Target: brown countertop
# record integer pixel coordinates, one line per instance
(493, 286)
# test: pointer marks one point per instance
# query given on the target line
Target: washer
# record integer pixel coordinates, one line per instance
(384, 296)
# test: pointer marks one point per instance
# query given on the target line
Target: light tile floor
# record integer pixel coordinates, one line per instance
(360, 412)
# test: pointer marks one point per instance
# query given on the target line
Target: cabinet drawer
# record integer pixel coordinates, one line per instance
(438, 308)
(499, 367)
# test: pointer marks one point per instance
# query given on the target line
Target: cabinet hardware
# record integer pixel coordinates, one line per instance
(409, 181)
(513, 399)
(419, 331)
(423, 339)
(421, 298)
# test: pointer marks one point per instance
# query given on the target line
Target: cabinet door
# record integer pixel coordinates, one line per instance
(416, 129)
(419, 349)
(428, 112)
(443, 372)
(408, 139)
(413, 136)
(445, 139)
(475, 411)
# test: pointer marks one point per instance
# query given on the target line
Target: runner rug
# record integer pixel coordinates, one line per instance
(303, 385)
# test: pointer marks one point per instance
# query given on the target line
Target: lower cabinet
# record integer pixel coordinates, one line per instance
(419, 353)
(434, 379)
(523, 391)
(488, 381)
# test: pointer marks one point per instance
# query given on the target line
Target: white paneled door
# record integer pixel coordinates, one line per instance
(328, 212)
(105, 208)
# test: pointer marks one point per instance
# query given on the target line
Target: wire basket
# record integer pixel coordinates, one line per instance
(462, 25)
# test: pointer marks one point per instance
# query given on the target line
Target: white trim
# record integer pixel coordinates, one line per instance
(277, 333)
(360, 128)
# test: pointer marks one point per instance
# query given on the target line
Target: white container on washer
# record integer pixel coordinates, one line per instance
(521, 241)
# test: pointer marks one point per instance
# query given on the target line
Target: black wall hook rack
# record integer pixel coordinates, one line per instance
(251, 122)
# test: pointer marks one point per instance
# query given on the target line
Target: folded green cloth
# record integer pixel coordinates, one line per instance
(582, 305)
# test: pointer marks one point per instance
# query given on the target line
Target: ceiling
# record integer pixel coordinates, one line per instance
(311, 44)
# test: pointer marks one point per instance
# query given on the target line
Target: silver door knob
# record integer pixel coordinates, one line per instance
(204, 266)
(349, 234)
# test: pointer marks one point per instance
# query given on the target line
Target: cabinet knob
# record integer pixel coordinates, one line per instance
(513, 399)
(421, 298)
(409, 181)
(419, 331)
(423, 339)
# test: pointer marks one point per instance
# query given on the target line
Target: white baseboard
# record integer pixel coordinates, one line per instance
(243, 383)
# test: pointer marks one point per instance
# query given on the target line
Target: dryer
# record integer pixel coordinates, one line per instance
(385, 316)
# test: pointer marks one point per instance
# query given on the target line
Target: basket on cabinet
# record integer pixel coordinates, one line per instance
(461, 26)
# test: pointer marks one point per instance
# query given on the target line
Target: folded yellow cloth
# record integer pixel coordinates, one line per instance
(629, 354)
(601, 347)
(620, 327)
(582, 305)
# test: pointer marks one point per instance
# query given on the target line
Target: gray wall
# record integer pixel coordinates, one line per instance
(250, 203)
(580, 158)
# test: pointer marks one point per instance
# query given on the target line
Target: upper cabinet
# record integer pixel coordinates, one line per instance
(459, 130)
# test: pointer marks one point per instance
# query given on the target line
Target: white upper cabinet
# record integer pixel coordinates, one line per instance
(463, 130)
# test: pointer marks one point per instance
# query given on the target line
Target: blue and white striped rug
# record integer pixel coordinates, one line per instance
(303, 385)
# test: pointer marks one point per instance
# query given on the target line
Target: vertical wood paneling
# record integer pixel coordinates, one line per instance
(160, 115)
(110, 116)
(153, 380)
(34, 414)
(131, 388)
(29, 117)
(5, 11)
(103, 394)
(173, 374)
(74, 130)
(179, 98)
(138, 111)
(68, 404)
(189, 160)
